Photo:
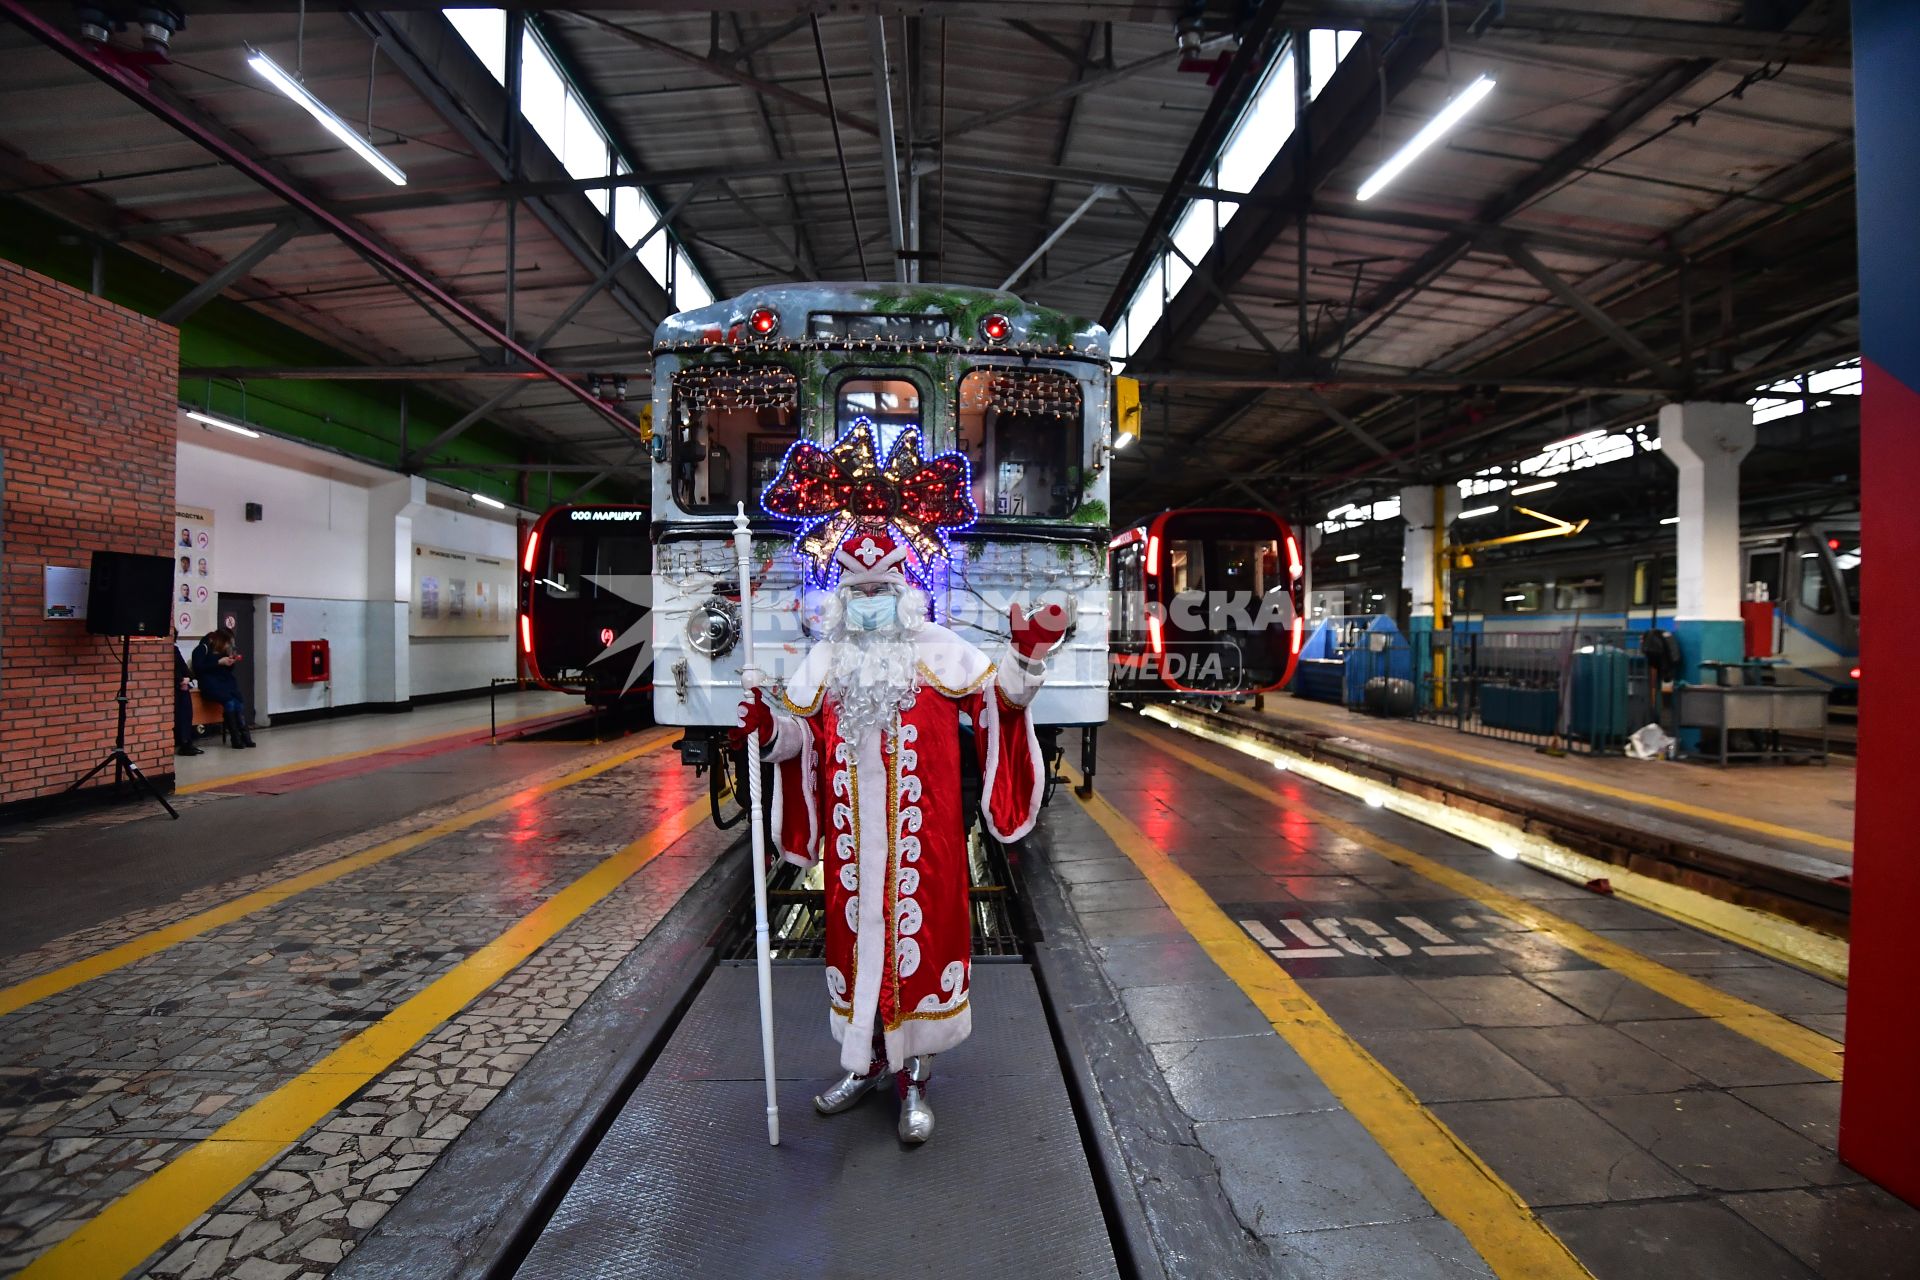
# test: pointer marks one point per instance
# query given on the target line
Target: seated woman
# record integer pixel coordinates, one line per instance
(214, 659)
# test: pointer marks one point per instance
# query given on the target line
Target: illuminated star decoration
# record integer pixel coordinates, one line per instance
(835, 494)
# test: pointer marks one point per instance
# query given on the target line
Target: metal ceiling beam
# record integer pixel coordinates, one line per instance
(1053, 237)
(1555, 26)
(1593, 140)
(640, 296)
(397, 373)
(135, 85)
(490, 193)
(1327, 132)
(1487, 233)
(1416, 381)
(1614, 331)
(236, 269)
(1064, 93)
(726, 71)
(889, 145)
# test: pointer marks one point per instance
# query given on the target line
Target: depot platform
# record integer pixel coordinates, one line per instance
(1777, 839)
(1252, 1026)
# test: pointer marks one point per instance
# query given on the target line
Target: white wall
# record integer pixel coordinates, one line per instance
(313, 537)
(335, 548)
(444, 664)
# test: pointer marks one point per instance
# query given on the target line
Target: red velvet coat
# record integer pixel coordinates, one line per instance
(885, 812)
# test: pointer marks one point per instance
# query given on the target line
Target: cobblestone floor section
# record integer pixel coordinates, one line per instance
(102, 1084)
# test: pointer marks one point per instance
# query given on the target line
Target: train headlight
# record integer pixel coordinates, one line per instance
(995, 327)
(713, 628)
(764, 321)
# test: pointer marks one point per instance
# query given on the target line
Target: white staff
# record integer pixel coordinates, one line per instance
(762, 942)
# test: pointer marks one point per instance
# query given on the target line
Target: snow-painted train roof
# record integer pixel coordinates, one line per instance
(1031, 326)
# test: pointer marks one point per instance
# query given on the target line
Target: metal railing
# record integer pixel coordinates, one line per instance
(1579, 688)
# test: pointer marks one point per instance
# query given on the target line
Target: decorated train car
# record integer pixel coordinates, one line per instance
(1024, 397)
(584, 616)
(1207, 602)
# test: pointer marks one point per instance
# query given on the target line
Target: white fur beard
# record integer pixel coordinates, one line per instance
(873, 674)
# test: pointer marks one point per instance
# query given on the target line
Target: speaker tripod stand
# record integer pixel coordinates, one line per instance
(123, 765)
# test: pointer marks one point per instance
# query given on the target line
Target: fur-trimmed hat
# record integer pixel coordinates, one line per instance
(867, 557)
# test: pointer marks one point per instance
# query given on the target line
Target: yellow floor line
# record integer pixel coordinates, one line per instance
(230, 779)
(115, 1240)
(1814, 950)
(1603, 789)
(39, 987)
(1455, 1181)
(1785, 1037)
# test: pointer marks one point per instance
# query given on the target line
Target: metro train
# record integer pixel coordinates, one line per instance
(584, 617)
(1025, 393)
(1810, 572)
(1207, 601)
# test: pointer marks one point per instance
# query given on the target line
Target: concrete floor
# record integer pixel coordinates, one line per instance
(313, 740)
(1814, 800)
(1650, 1139)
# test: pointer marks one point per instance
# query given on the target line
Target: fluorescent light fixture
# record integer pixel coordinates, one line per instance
(1671, 520)
(221, 423)
(485, 501)
(274, 75)
(1437, 128)
(1476, 511)
(1535, 488)
(1351, 555)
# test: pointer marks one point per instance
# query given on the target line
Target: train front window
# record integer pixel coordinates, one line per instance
(892, 404)
(1816, 586)
(731, 426)
(582, 566)
(1021, 430)
(1845, 545)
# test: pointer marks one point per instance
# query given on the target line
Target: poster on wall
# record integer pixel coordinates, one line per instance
(194, 598)
(460, 593)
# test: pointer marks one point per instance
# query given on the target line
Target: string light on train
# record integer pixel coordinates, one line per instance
(724, 387)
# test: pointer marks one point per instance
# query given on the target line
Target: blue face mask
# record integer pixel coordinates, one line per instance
(871, 613)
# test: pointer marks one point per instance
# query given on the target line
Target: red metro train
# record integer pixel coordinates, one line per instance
(585, 624)
(1206, 601)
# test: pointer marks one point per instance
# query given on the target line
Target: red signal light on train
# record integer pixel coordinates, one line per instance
(1833, 544)
(533, 544)
(606, 636)
(764, 321)
(995, 327)
(526, 634)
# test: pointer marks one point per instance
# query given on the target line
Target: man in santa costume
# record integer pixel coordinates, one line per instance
(866, 736)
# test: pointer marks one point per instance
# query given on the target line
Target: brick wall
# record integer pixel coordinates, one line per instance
(87, 405)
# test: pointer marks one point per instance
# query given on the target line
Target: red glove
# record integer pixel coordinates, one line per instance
(1035, 636)
(755, 717)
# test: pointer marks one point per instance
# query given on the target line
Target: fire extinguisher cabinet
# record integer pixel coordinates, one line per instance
(312, 663)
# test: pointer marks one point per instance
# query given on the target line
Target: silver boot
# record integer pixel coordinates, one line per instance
(843, 1093)
(916, 1117)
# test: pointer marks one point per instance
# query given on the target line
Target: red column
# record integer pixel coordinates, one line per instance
(1880, 1098)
